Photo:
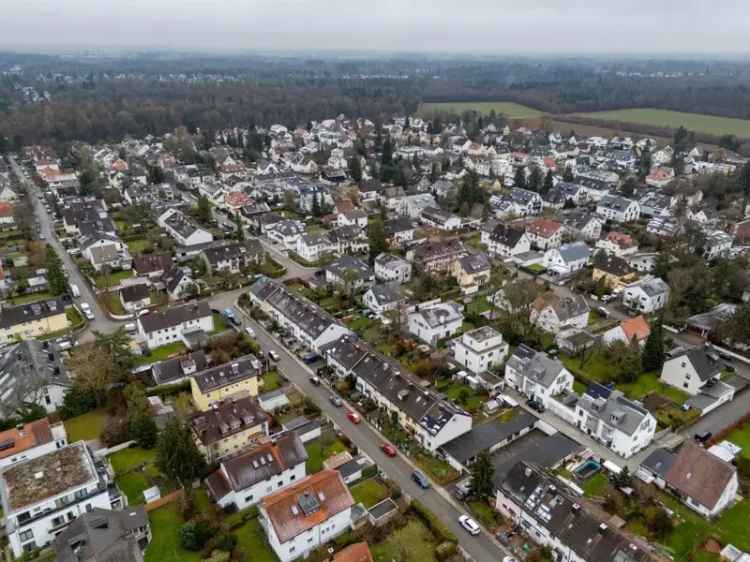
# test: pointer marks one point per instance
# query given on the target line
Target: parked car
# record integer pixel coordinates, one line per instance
(354, 417)
(420, 479)
(75, 290)
(272, 355)
(131, 328)
(469, 524)
(315, 381)
(250, 332)
(388, 449)
(510, 559)
(311, 358)
(603, 312)
(229, 314)
(703, 436)
(336, 401)
(536, 406)
(87, 312)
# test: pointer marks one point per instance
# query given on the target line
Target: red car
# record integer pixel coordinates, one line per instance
(388, 449)
(353, 417)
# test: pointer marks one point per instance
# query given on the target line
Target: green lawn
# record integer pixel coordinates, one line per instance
(359, 324)
(111, 301)
(438, 470)
(741, 438)
(579, 388)
(479, 305)
(73, 316)
(648, 383)
(33, 297)
(464, 395)
(135, 482)
(251, 541)
(165, 546)
(317, 453)
(483, 513)
(88, 426)
(139, 246)
(271, 381)
(161, 353)
(369, 492)
(596, 485)
(411, 543)
(220, 323)
(106, 281)
(697, 122)
(510, 109)
(129, 458)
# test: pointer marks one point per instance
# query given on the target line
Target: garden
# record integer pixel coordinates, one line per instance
(322, 448)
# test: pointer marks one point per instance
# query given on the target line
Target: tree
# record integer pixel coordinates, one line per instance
(117, 345)
(644, 165)
(240, 227)
(195, 534)
(519, 179)
(629, 186)
(55, 275)
(482, 475)
(177, 456)
(77, 401)
(204, 209)
(378, 239)
(653, 351)
(290, 203)
(355, 168)
(548, 182)
(386, 157)
(658, 522)
(315, 205)
(568, 174)
(535, 179)
(94, 369)
(141, 425)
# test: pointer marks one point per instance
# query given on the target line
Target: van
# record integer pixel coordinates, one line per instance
(74, 289)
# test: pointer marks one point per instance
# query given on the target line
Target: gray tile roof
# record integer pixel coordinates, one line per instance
(535, 365)
(574, 251)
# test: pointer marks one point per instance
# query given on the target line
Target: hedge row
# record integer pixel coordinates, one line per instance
(438, 528)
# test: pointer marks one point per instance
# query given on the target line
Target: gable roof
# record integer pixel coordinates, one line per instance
(702, 363)
(636, 328)
(174, 316)
(699, 474)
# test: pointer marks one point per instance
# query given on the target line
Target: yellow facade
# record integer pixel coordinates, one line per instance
(612, 281)
(229, 444)
(203, 400)
(35, 328)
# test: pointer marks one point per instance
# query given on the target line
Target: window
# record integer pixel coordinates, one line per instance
(249, 498)
(26, 535)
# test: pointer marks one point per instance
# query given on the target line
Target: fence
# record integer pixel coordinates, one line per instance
(169, 498)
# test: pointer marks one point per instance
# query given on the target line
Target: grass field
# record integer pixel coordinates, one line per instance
(509, 109)
(86, 427)
(412, 543)
(165, 546)
(697, 122)
(741, 438)
(133, 482)
(369, 492)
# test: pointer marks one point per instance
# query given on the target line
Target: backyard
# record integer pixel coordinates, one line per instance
(161, 353)
(135, 471)
(271, 381)
(139, 246)
(411, 543)
(33, 297)
(87, 426)
(105, 281)
(463, 395)
(251, 541)
(320, 449)
(741, 438)
(165, 545)
(369, 492)
(111, 301)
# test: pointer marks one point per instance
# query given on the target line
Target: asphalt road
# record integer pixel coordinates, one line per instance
(101, 322)
(293, 269)
(481, 548)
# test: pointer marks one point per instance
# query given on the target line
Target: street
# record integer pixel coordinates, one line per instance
(481, 548)
(293, 269)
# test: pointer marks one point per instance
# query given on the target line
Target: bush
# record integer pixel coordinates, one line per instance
(195, 534)
(115, 431)
(445, 550)
(77, 401)
(143, 430)
(169, 389)
(369, 471)
(219, 556)
(438, 528)
(226, 542)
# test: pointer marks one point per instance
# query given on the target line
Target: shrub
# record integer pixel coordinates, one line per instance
(195, 534)
(438, 528)
(169, 389)
(226, 541)
(445, 550)
(77, 401)
(115, 431)
(369, 471)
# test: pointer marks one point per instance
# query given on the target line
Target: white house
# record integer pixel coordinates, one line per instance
(440, 219)
(286, 232)
(537, 376)
(505, 241)
(695, 373)
(646, 295)
(349, 272)
(480, 349)
(619, 209)
(557, 314)
(389, 268)
(31, 440)
(183, 229)
(173, 324)
(622, 425)
(245, 479)
(545, 233)
(301, 518)
(412, 206)
(437, 321)
(42, 495)
(717, 244)
(382, 298)
(312, 247)
(567, 259)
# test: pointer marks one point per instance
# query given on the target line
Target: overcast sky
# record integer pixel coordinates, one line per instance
(446, 26)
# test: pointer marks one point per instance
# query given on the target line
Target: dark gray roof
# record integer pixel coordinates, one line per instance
(574, 251)
(152, 263)
(229, 373)
(659, 462)
(225, 252)
(227, 418)
(133, 293)
(475, 263)
(486, 436)
(349, 263)
(15, 315)
(401, 224)
(507, 235)
(535, 365)
(385, 294)
(614, 410)
(174, 316)
(702, 363)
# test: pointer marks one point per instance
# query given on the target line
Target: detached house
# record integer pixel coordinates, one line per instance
(228, 258)
(438, 321)
(622, 425)
(183, 229)
(567, 259)
(174, 324)
(236, 379)
(695, 373)
(505, 241)
(545, 234)
(390, 268)
(646, 295)
(400, 232)
(615, 272)
(267, 467)
(472, 272)
(440, 219)
(480, 349)
(557, 314)
(618, 209)
(382, 298)
(535, 375)
(349, 272)
(437, 257)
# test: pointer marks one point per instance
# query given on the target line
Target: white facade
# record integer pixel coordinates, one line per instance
(252, 495)
(480, 349)
(646, 296)
(313, 538)
(502, 249)
(439, 321)
(392, 269)
(174, 334)
(59, 440)
(618, 209)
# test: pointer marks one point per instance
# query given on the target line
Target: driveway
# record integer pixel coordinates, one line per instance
(480, 548)
(293, 269)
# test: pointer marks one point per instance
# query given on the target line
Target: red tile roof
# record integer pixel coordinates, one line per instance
(636, 327)
(29, 436)
(6, 209)
(357, 552)
(544, 227)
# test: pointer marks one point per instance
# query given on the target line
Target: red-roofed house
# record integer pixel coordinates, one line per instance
(301, 518)
(618, 244)
(545, 233)
(357, 552)
(7, 210)
(633, 328)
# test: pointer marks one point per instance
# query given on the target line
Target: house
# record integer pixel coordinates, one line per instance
(567, 259)
(431, 420)
(174, 324)
(391, 268)
(694, 372)
(437, 257)
(480, 349)
(383, 298)
(545, 234)
(7, 214)
(178, 369)
(354, 217)
(228, 258)
(183, 229)
(438, 218)
(357, 552)
(105, 250)
(286, 232)
(628, 331)
(152, 266)
(614, 272)
(703, 482)
(533, 499)
(229, 426)
(526, 202)
(435, 322)
(245, 479)
(616, 208)
(178, 282)
(313, 247)
(399, 232)
(564, 194)
(104, 534)
(717, 244)
(705, 323)
(41, 496)
(411, 206)
(560, 313)
(505, 241)
(660, 176)
(306, 322)
(618, 244)
(646, 295)
(472, 272)
(28, 321)
(582, 225)
(238, 378)
(304, 516)
(349, 272)
(135, 297)
(32, 372)
(537, 376)
(622, 425)
(31, 440)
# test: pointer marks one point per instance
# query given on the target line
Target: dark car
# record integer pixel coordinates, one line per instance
(703, 436)
(420, 479)
(536, 406)
(311, 358)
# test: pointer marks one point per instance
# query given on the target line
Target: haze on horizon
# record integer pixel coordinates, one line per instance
(429, 26)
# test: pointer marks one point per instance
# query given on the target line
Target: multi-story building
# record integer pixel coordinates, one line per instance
(437, 321)
(392, 268)
(505, 241)
(173, 324)
(437, 257)
(183, 229)
(480, 349)
(646, 295)
(537, 376)
(618, 209)
(30, 441)
(28, 321)
(228, 427)
(237, 378)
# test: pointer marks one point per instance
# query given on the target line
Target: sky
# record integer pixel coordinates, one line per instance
(429, 26)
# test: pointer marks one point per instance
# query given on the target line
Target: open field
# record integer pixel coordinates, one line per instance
(699, 123)
(510, 109)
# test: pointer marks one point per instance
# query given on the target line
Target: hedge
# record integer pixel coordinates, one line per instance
(169, 389)
(445, 550)
(438, 528)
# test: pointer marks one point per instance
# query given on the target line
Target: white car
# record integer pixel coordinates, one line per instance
(469, 524)
(87, 312)
(509, 559)
(250, 332)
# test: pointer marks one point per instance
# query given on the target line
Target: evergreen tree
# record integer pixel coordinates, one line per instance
(316, 205)
(653, 351)
(482, 474)
(644, 166)
(407, 123)
(743, 178)
(204, 209)
(535, 179)
(55, 275)
(386, 158)
(177, 456)
(548, 182)
(434, 172)
(377, 237)
(355, 168)
(240, 227)
(568, 174)
(519, 179)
